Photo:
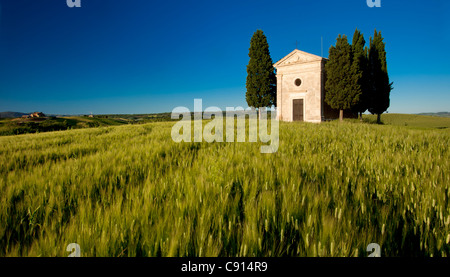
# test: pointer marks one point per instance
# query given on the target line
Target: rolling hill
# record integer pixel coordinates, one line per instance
(11, 114)
(17, 126)
(441, 114)
(412, 121)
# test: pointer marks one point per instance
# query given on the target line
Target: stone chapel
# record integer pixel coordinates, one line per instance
(301, 88)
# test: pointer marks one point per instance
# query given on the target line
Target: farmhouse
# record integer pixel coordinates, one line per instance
(301, 89)
(37, 114)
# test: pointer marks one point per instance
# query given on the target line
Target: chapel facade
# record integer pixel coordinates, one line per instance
(301, 88)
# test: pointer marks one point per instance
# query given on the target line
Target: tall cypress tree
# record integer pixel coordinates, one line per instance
(342, 87)
(261, 79)
(360, 60)
(380, 87)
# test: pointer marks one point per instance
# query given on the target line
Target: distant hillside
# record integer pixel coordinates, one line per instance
(16, 126)
(412, 120)
(440, 114)
(11, 114)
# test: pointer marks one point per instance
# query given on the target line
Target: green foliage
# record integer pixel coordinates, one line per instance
(261, 79)
(17, 128)
(380, 87)
(330, 190)
(360, 60)
(342, 87)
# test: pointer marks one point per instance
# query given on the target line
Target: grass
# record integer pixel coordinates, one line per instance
(330, 190)
(412, 121)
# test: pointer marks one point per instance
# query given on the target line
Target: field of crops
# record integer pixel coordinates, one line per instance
(412, 121)
(330, 190)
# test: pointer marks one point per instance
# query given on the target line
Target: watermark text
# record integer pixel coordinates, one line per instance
(213, 131)
(374, 3)
(73, 3)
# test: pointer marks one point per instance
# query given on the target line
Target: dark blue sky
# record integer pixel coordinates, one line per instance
(142, 56)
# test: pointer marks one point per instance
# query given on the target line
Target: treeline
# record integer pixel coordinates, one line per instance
(16, 128)
(357, 76)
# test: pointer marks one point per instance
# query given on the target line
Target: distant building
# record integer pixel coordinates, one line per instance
(26, 116)
(91, 115)
(37, 114)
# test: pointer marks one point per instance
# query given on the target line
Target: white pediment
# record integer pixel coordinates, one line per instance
(297, 57)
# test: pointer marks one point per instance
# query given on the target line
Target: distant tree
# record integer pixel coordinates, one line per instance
(379, 85)
(361, 60)
(261, 80)
(342, 87)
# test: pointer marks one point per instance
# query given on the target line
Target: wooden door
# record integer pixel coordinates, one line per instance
(298, 109)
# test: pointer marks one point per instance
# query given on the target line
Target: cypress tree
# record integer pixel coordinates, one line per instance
(380, 87)
(261, 79)
(342, 87)
(360, 59)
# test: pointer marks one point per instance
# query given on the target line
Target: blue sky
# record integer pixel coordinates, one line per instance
(144, 56)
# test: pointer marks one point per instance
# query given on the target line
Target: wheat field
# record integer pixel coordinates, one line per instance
(330, 190)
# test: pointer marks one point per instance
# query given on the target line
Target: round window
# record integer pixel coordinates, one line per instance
(298, 82)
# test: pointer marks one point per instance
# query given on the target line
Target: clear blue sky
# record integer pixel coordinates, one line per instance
(144, 56)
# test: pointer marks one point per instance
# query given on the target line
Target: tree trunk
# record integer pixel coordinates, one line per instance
(379, 118)
(341, 115)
